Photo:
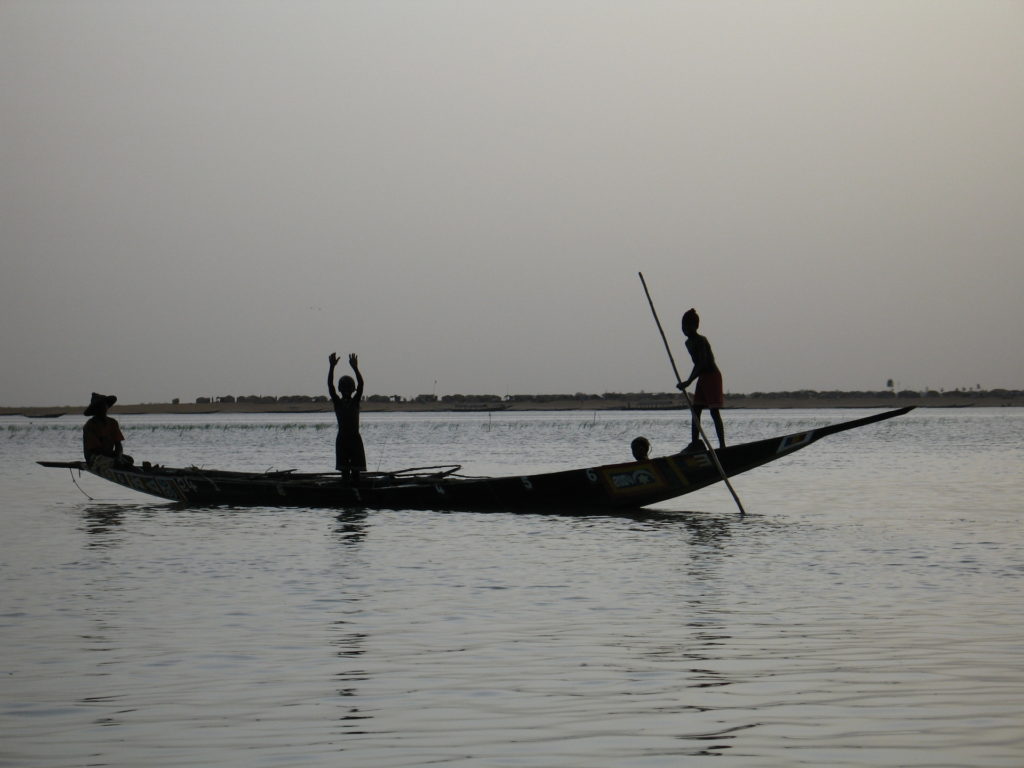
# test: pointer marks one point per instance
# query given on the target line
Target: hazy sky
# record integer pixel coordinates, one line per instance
(207, 198)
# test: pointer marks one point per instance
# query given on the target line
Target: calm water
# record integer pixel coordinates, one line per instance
(868, 612)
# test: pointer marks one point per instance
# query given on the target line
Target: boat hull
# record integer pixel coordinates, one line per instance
(593, 489)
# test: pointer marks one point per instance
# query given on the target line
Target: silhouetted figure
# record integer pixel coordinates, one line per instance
(709, 393)
(350, 458)
(641, 448)
(101, 436)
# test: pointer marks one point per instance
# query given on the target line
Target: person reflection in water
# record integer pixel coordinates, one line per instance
(350, 458)
(641, 448)
(709, 383)
(101, 436)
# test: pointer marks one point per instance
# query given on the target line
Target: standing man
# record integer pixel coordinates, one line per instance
(709, 392)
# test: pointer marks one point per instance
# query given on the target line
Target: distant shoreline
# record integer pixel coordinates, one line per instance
(955, 400)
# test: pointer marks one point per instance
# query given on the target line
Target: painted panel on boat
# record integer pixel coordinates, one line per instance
(176, 488)
(792, 442)
(630, 479)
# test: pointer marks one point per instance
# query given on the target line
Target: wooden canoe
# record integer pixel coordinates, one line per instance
(581, 491)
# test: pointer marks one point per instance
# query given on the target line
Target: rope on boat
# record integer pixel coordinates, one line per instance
(206, 477)
(72, 473)
(449, 469)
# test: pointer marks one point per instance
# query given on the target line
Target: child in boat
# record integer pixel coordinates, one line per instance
(350, 458)
(641, 448)
(102, 441)
(709, 393)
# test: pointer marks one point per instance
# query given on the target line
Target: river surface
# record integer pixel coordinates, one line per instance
(868, 611)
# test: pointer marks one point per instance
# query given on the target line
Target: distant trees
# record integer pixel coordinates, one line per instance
(460, 399)
(633, 399)
(385, 399)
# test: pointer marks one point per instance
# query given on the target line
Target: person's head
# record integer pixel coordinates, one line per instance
(641, 448)
(346, 385)
(100, 404)
(691, 321)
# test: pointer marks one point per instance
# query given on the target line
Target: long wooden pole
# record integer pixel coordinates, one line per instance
(675, 370)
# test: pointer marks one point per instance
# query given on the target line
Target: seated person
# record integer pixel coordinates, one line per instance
(101, 435)
(641, 448)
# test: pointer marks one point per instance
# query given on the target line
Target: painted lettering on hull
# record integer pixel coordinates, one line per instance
(793, 442)
(175, 488)
(632, 478)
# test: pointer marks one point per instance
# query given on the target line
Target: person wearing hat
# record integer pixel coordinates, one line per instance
(101, 435)
(709, 392)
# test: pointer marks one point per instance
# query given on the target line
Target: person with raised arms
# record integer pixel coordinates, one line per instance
(350, 457)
